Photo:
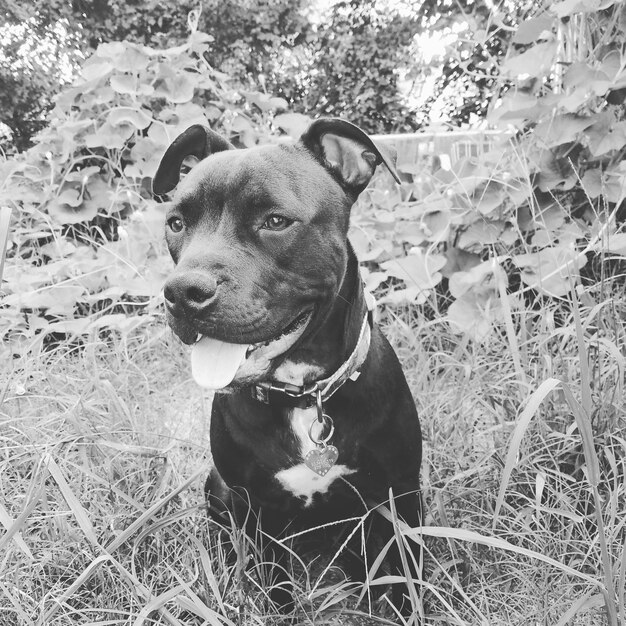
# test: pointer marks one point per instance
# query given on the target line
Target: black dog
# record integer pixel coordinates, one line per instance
(313, 421)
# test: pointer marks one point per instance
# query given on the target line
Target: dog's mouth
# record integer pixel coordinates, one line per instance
(215, 363)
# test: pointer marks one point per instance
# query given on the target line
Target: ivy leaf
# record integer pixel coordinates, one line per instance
(534, 62)
(550, 216)
(592, 183)
(458, 260)
(126, 57)
(489, 197)
(482, 233)
(562, 129)
(552, 270)
(534, 29)
(365, 248)
(569, 7)
(71, 197)
(482, 278)
(94, 69)
(133, 58)
(614, 187)
(615, 139)
(124, 84)
(417, 270)
(554, 172)
(516, 106)
(131, 116)
(474, 315)
(582, 75)
(55, 300)
(615, 244)
(110, 137)
(178, 88)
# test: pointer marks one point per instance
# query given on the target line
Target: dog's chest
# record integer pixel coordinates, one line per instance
(299, 479)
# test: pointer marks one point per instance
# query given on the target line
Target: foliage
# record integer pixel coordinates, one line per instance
(88, 235)
(353, 58)
(535, 210)
(245, 38)
(354, 65)
(524, 220)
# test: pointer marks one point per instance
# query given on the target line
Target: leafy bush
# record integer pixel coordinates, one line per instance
(534, 209)
(87, 233)
(524, 217)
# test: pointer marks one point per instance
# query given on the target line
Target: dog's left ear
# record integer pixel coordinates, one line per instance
(347, 152)
(198, 141)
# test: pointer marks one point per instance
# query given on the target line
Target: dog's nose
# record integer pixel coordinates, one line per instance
(190, 293)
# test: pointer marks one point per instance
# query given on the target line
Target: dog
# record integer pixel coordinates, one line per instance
(313, 420)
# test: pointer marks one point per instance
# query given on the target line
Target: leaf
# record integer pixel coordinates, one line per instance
(365, 247)
(614, 189)
(615, 139)
(481, 279)
(488, 198)
(458, 260)
(56, 299)
(516, 105)
(110, 137)
(178, 88)
(133, 58)
(70, 196)
(551, 216)
(401, 297)
(553, 270)
(615, 243)
(473, 315)
(95, 69)
(583, 75)
(553, 172)
(126, 115)
(569, 7)
(562, 129)
(124, 84)
(417, 269)
(481, 233)
(592, 183)
(533, 29)
(534, 62)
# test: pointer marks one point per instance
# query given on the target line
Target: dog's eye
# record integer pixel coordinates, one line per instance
(175, 224)
(277, 222)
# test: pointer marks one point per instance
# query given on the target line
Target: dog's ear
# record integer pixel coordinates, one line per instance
(198, 141)
(347, 152)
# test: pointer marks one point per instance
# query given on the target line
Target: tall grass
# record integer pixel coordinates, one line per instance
(105, 448)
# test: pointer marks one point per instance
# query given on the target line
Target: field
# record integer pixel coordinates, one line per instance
(105, 449)
(500, 272)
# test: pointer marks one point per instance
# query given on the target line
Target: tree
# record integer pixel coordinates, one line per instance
(354, 61)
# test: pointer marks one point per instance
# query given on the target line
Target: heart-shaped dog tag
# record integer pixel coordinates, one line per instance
(321, 460)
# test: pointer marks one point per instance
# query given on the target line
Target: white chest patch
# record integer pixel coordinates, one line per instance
(299, 479)
(294, 373)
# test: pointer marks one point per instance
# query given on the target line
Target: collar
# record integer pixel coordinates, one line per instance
(304, 396)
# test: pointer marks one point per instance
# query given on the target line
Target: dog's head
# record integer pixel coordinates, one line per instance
(258, 236)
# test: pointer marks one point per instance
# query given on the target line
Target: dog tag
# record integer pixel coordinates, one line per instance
(321, 460)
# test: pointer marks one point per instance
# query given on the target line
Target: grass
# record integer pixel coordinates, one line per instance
(105, 449)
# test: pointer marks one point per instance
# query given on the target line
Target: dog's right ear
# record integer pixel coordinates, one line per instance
(198, 141)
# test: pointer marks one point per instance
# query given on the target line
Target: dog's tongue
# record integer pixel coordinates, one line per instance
(214, 363)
